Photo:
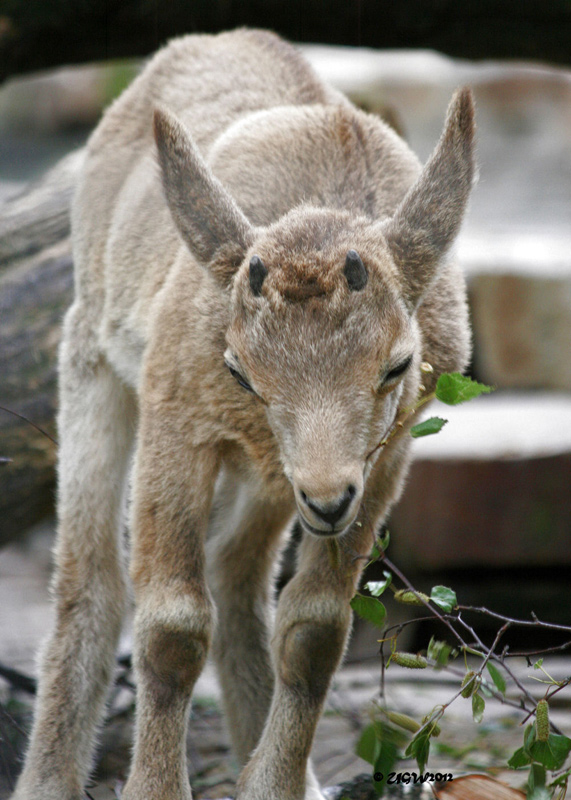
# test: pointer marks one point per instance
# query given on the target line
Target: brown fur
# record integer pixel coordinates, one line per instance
(252, 155)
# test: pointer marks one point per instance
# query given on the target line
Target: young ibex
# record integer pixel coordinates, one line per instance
(256, 288)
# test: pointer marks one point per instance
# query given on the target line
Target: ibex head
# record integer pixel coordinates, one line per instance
(323, 303)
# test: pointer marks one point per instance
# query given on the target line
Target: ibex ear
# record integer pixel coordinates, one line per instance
(427, 220)
(207, 217)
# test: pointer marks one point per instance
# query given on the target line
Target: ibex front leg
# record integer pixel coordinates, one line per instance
(312, 623)
(174, 613)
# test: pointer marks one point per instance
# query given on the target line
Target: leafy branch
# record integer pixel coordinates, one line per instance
(451, 388)
(545, 748)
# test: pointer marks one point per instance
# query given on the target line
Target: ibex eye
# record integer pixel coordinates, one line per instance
(241, 380)
(399, 370)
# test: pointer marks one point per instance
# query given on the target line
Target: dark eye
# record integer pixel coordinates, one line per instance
(241, 380)
(399, 370)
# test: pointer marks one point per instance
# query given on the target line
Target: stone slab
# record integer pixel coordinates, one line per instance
(492, 489)
(522, 329)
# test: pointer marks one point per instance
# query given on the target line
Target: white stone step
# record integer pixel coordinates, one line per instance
(498, 426)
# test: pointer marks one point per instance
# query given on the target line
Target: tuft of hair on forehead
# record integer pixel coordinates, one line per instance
(308, 252)
(297, 282)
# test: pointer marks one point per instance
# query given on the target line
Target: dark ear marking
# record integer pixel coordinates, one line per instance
(355, 271)
(258, 273)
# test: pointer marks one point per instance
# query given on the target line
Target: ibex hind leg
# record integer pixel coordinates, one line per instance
(95, 431)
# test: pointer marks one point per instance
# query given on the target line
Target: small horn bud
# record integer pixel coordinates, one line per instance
(355, 271)
(258, 273)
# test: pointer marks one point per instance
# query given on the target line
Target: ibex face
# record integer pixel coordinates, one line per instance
(321, 334)
(323, 327)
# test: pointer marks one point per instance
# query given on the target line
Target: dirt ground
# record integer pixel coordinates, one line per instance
(25, 617)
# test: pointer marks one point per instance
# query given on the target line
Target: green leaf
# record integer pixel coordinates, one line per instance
(419, 749)
(561, 780)
(538, 663)
(384, 540)
(519, 759)
(536, 776)
(378, 587)
(369, 609)
(369, 745)
(384, 764)
(552, 753)
(497, 677)
(381, 544)
(438, 651)
(453, 388)
(375, 554)
(478, 706)
(529, 737)
(539, 793)
(428, 427)
(443, 597)
(536, 784)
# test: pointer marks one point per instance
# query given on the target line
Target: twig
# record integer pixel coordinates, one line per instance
(399, 422)
(534, 622)
(29, 421)
(529, 653)
(477, 647)
(432, 609)
(562, 685)
(488, 653)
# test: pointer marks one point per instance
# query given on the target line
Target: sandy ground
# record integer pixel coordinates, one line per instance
(25, 617)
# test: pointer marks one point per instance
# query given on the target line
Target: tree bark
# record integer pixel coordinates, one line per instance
(37, 35)
(36, 282)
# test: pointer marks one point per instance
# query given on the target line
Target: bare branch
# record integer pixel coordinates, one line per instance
(29, 421)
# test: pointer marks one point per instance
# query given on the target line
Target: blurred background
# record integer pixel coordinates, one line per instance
(487, 508)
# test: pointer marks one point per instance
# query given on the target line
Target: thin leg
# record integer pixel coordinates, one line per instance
(242, 554)
(174, 613)
(312, 624)
(95, 428)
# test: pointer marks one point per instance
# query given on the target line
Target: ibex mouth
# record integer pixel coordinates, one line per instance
(331, 531)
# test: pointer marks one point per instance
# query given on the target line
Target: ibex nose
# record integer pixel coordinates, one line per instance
(333, 511)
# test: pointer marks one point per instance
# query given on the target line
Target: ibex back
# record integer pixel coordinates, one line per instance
(257, 285)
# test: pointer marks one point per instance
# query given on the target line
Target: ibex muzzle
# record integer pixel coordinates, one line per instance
(260, 270)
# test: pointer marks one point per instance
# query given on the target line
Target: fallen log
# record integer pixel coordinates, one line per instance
(35, 289)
